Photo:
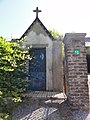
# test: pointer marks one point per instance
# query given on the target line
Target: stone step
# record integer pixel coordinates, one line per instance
(45, 95)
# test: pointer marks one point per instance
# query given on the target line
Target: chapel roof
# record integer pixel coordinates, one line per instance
(30, 27)
(37, 20)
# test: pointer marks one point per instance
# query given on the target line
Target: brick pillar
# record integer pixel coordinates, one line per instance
(76, 78)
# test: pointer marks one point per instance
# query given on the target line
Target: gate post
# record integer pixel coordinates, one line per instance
(76, 66)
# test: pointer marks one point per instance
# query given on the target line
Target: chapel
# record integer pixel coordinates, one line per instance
(49, 72)
(46, 69)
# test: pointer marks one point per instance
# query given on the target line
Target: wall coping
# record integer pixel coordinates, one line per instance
(75, 36)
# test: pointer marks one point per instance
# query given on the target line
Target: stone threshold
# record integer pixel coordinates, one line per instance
(45, 95)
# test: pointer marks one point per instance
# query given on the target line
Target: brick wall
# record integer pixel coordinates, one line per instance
(76, 66)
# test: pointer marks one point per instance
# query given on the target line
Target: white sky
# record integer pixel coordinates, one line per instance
(67, 15)
(63, 15)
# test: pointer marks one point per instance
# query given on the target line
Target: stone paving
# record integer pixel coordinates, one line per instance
(49, 107)
(39, 105)
(37, 110)
(40, 109)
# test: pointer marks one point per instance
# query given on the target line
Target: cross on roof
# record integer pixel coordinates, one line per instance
(37, 11)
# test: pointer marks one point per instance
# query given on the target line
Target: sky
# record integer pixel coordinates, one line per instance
(64, 16)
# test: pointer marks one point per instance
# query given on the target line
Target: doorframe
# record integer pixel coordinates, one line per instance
(35, 48)
(49, 81)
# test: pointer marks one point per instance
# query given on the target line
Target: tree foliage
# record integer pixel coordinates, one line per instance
(55, 34)
(13, 72)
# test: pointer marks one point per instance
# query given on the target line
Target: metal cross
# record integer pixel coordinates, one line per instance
(37, 11)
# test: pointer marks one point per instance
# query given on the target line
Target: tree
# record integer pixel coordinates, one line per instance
(55, 34)
(13, 72)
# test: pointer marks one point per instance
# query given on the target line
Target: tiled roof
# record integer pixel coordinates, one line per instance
(15, 40)
(87, 39)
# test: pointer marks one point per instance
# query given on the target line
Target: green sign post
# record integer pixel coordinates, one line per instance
(77, 52)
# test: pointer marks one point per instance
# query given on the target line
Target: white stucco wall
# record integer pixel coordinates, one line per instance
(38, 38)
(57, 66)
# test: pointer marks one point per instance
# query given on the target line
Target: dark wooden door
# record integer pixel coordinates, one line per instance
(37, 69)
